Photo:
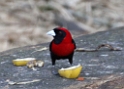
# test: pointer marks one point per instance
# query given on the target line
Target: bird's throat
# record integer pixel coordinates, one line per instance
(58, 40)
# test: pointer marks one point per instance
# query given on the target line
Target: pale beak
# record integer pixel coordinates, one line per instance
(52, 33)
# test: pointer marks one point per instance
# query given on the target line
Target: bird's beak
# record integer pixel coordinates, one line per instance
(52, 33)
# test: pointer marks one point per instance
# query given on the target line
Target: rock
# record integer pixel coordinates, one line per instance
(31, 19)
(102, 69)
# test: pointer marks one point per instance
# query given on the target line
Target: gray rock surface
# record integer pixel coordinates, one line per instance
(102, 69)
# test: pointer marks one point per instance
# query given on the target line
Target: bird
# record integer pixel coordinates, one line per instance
(62, 46)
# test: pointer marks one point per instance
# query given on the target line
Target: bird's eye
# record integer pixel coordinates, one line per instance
(60, 32)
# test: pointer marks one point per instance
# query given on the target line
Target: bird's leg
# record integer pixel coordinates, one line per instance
(53, 61)
(70, 61)
(71, 58)
(54, 69)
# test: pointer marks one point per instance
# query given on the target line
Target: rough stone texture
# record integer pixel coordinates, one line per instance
(102, 70)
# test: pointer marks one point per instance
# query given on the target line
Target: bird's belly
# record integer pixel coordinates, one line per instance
(63, 50)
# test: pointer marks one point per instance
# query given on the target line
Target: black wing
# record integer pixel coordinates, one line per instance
(74, 43)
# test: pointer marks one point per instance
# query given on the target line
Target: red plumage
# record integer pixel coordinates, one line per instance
(62, 46)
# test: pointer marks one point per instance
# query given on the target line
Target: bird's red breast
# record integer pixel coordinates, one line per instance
(65, 47)
(62, 49)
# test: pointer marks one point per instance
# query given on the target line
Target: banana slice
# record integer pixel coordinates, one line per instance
(22, 62)
(70, 72)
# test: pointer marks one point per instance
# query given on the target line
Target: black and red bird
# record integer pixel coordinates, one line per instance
(62, 46)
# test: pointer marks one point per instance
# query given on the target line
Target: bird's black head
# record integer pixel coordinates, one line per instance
(59, 35)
